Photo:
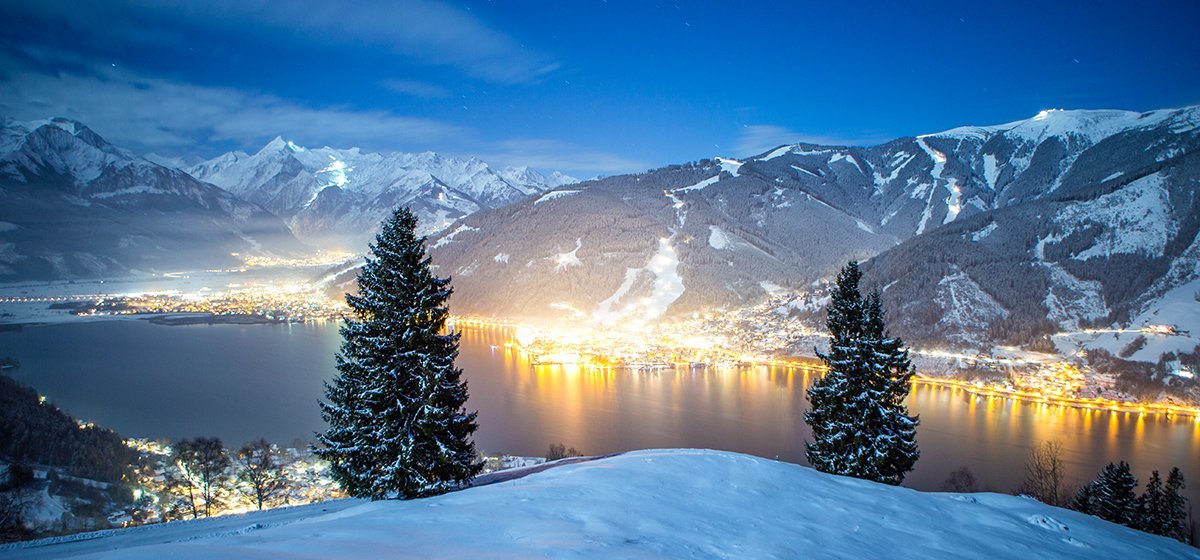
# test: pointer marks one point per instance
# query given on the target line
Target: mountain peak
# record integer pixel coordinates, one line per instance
(278, 144)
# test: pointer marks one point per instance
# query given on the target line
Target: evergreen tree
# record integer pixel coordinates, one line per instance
(1085, 499)
(1115, 497)
(1150, 507)
(889, 379)
(1175, 509)
(397, 422)
(860, 425)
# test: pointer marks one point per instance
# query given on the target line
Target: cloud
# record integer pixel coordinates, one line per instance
(424, 31)
(151, 114)
(758, 138)
(166, 116)
(416, 89)
(560, 156)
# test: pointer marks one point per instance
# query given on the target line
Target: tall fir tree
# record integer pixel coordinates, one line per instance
(397, 422)
(1116, 499)
(1175, 507)
(1151, 511)
(890, 379)
(860, 425)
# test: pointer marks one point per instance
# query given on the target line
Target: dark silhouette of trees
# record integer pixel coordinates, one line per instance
(261, 472)
(205, 464)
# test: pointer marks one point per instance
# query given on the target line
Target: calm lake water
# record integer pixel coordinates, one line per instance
(240, 382)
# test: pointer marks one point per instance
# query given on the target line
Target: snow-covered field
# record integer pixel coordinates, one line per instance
(648, 504)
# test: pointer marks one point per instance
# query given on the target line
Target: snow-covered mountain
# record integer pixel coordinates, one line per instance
(1070, 218)
(337, 197)
(662, 504)
(73, 205)
(1068, 215)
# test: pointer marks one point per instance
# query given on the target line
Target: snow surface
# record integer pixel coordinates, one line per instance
(967, 307)
(717, 238)
(563, 261)
(1088, 125)
(701, 184)
(1178, 308)
(1069, 299)
(730, 166)
(983, 233)
(776, 153)
(449, 237)
(679, 503)
(553, 195)
(990, 171)
(803, 170)
(1136, 219)
(641, 306)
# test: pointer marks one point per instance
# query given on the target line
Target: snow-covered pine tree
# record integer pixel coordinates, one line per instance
(832, 415)
(1085, 499)
(891, 372)
(1115, 498)
(397, 422)
(1151, 511)
(1175, 507)
(860, 425)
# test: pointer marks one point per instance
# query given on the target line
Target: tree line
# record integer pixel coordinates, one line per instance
(34, 431)
(1161, 509)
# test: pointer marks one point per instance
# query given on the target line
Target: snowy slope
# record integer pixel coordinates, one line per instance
(1089, 218)
(333, 196)
(649, 504)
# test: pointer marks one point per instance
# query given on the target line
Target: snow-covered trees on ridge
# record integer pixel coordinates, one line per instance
(1159, 510)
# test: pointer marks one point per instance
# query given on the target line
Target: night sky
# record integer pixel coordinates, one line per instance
(586, 87)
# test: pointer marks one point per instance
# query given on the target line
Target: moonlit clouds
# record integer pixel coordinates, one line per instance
(422, 31)
(155, 114)
(176, 118)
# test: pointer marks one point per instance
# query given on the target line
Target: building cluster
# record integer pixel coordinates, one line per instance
(304, 478)
(320, 258)
(288, 304)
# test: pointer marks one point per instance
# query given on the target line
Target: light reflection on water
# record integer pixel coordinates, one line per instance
(759, 410)
(239, 382)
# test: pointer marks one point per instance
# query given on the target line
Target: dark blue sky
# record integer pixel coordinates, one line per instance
(588, 87)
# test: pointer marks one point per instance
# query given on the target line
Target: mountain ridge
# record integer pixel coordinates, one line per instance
(75, 205)
(337, 197)
(788, 217)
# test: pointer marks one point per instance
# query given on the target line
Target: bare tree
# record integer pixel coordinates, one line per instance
(261, 472)
(1045, 475)
(14, 499)
(559, 451)
(205, 463)
(960, 480)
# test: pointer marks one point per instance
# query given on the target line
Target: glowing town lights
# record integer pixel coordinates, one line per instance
(320, 258)
(643, 345)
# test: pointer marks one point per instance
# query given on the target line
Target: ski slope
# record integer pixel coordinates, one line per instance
(678, 503)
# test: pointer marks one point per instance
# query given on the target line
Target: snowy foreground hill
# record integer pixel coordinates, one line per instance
(646, 504)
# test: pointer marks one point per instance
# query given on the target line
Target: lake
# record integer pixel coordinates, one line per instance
(244, 381)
